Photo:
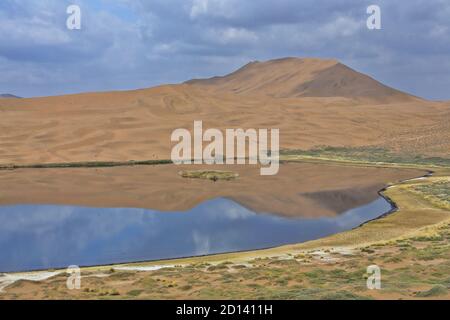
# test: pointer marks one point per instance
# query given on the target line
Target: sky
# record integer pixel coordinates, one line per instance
(129, 44)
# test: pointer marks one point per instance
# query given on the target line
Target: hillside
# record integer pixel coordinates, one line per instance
(136, 125)
(294, 78)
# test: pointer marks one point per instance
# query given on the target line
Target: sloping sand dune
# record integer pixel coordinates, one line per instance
(293, 78)
(313, 102)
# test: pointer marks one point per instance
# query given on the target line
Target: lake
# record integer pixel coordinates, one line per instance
(38, 237)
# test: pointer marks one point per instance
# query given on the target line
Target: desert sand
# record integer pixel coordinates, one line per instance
(313, 102)
(299, 190)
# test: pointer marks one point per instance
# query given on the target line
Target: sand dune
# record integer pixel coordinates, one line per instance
(313, 102)
(293, 78)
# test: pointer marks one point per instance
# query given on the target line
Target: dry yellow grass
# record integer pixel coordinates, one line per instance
(436, 191)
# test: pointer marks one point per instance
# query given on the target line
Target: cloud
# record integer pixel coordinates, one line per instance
(199, 7)
(126, 44)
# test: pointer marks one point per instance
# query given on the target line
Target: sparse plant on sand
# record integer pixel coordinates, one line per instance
(212, 175)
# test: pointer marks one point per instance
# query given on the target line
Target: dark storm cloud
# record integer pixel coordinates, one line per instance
(135, 43)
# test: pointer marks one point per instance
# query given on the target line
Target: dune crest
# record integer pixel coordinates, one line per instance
(295, 78)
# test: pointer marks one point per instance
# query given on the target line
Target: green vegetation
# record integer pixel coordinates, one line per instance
(213, 175)
(366, 154)
(92, 164)
(218, 267)
(437, 290)
(134, 293)
(438, 192)
(343, 295)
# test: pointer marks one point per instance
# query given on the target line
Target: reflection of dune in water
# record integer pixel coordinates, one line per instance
(299, 190)
(47, 237)
(341, 200)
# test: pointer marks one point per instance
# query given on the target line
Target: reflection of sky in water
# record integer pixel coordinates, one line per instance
(42, 237)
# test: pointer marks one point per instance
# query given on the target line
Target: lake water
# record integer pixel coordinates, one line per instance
(36, 237)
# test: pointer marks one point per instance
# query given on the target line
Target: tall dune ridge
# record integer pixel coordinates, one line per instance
(312, 101)
(294, 78)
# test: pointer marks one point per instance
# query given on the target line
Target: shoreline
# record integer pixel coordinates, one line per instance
(394, 205)
(286, 158)
(87, 164)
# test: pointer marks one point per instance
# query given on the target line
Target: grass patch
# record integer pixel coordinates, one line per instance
(239, 267)
(213, 175)
(87, 164)
(186, 287)
(368, 250)
(367, 154)
(438, 193)
(437, 290)
(343, 295)
(218, 267)
(135, 293)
